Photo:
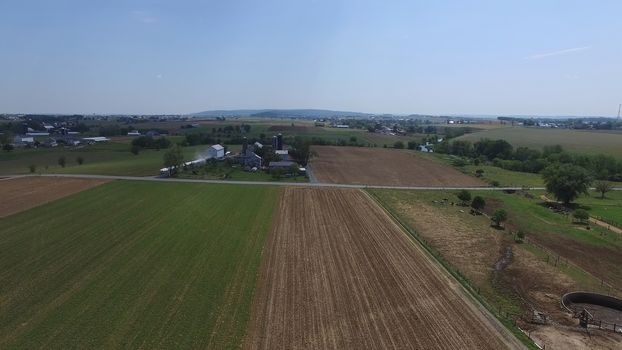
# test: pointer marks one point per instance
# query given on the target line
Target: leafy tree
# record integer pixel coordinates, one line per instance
(8, 147)
(79, 160)
(398, 145)
(581, 215)
(32, 168)
(499, 216)
(478, 203)
(464, 196)
(174, 157)
(135, 150)
(6, 137)
(566, 181)
(413, 145)
(479, 172)
(603, 187)
(62, 161)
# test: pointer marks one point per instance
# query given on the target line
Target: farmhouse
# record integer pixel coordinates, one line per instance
(216, 151)
(247, 156)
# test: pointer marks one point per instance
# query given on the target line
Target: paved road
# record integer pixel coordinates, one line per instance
(280, 183)
(275, 183)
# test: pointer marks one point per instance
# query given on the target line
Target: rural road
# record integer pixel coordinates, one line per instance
(276, 183)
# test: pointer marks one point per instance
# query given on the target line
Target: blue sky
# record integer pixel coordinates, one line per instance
(437, 57)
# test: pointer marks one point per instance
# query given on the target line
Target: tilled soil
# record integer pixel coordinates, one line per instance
(380, 166)
(338, 273)
(24, 193)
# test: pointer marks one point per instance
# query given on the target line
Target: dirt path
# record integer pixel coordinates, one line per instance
(381, 166)
(606, 225)
(23, 193)
(338, 273)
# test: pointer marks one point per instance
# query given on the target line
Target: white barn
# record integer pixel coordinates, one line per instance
(216, 151)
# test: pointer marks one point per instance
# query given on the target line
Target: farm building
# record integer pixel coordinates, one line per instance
(283, 154)
(96, 139)
(216, 151)
(23, 141)
(282, 165)
(277, 142)
(247, 156)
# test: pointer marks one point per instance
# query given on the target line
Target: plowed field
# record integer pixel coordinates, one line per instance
(338, 273)
(25, 193)
(381, 166)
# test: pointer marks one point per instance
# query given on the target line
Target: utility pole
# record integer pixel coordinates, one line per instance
(619, 106)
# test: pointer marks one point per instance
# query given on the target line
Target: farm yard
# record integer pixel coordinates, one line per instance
(590, 142)
(380, 166)
(133, 265)
(338, 273)
(24, 193)
(516, 279)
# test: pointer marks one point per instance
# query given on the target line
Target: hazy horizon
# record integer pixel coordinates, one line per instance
(483, 58)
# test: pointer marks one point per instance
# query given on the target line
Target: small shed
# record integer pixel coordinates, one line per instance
(216, 151)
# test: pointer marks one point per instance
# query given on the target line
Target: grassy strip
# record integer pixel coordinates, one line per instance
(506, 319)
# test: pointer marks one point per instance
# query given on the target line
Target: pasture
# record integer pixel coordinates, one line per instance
(338, 273)
(382, 166)
(134, 265)
(513, 278)
(589, 142)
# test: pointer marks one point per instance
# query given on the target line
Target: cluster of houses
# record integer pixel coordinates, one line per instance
(53, 135)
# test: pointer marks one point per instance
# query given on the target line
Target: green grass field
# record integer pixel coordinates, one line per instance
(589, 142)
(133, 265)
(111, 158)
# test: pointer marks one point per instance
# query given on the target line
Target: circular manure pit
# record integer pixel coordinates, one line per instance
(605, 310)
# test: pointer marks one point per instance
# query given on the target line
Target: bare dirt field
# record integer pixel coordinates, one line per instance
(382, 166)
(338, 273)
(28, 192)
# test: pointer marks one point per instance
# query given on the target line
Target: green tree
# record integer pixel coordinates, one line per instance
(581, 215)
(603, 187)
(8, 147)
(566, 181)
(479, 172)
(174, 157)
(62, 161)
(499, 216)
(464, 196)
(135, 150)
(79, 160)
(32, 168)
(398, 144)
(478, 203)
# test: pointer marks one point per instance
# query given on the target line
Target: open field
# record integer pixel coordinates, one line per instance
(379, 166)
(513, 278)
(24, 193)
(590, 142)
(133, 265)
(338, 273)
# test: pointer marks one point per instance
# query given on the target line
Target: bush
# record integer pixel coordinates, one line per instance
(581, 215)
(32, 168)
(499, 216)
(79, 160)
(464, 196)
(62, 161)
(398, 144)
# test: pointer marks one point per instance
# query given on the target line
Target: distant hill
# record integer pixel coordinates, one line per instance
(280, 113)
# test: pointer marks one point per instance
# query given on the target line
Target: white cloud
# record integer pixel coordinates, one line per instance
(557, 53)
(145, 17)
